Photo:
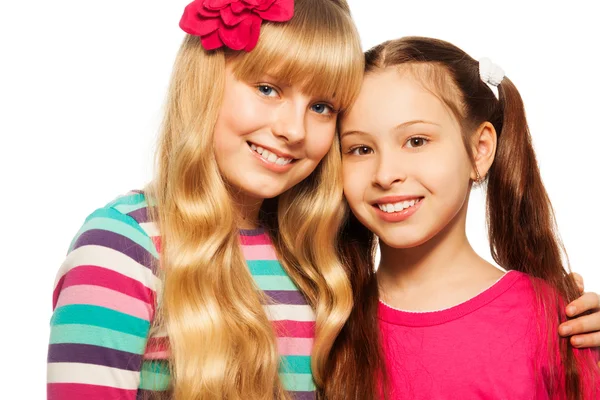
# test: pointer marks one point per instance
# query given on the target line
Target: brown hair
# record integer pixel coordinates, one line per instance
(521, 224)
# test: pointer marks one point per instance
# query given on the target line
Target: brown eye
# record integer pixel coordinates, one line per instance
(361, 150)
(416, 142)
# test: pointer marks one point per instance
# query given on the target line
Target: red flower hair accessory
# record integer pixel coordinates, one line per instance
(232, 23)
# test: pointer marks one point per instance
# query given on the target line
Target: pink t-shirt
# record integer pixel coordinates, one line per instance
(493, 346)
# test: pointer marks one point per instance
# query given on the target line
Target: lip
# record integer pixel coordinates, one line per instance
(268, 165)
(272, 150)
(400, 215)
(395, 199)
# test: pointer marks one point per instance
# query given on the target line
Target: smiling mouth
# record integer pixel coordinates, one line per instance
(397, 207)
(269, 156)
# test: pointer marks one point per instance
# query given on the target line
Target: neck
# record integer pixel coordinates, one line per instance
(440, 256)
(247, 209)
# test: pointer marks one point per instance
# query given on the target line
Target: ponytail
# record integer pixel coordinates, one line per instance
(522, 228)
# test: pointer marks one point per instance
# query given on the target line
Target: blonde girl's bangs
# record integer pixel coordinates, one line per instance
(319, 49)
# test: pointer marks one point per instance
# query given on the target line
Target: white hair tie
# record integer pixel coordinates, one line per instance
(490, 74)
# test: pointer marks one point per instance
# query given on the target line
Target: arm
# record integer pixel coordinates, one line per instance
(103, 307)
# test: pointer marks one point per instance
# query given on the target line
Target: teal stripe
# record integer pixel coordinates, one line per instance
(128, 199)
(274, 283)
(156, 366)
(295, 365)
(266, 267)
(102, 317)
(111, 220)
(154, 381)
(112, 214)
(96, 336)
(140, 200)
(298, 382)
(127, 208)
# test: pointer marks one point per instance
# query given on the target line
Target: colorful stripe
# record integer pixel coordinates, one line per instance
(101, 342)
(286, 312)
(111, 259)
(88, 354)
(285, 297)
(104, 297)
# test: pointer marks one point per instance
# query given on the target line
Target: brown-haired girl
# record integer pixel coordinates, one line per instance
(436, 321)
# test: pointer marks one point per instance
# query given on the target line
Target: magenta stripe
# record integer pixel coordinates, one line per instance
(262, 238)
(292, 297)
(117, 242)
(89, 354)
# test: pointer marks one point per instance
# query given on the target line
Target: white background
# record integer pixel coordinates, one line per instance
(81, 90)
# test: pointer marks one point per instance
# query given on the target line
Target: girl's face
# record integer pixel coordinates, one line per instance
(406, 170)
(270, 136)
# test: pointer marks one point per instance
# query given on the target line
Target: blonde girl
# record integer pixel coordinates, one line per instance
(222, 280)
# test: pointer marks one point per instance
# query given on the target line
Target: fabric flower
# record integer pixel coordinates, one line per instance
(232, 23)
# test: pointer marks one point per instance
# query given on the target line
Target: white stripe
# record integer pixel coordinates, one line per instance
(150, 228)
(92, 374)
(110, 259)
(280, 312)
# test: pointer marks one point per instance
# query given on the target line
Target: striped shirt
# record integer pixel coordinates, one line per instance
(102, 344)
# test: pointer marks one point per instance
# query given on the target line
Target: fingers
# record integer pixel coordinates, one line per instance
(587, 302)
(587, 340)
(586, 324)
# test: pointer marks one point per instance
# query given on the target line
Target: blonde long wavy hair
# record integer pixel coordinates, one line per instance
(222, 344)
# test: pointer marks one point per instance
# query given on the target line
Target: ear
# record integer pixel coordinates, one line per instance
(484, 149)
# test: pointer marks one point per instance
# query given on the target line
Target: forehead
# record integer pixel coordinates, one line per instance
(390, 97)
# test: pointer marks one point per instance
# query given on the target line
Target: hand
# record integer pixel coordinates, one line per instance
(584, 330)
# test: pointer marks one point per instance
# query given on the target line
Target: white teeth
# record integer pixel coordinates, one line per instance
(270, 157)
(396, 207)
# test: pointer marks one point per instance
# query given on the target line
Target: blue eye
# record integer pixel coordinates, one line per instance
(266, 90)
(321, 108)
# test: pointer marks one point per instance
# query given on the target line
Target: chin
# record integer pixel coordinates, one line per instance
(262, 192)
(403, 238)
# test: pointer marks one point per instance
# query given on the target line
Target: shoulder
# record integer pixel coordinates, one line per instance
(117, 244)
(532, 293)
(123, 224)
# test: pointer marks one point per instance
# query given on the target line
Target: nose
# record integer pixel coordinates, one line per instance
(289, 123)
(390, 170)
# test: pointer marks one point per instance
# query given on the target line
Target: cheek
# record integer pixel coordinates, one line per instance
(319, 140)
(446, 169)
(448, 180)
(241, 113)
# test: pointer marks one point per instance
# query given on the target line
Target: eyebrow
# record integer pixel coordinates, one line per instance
(399, 127)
